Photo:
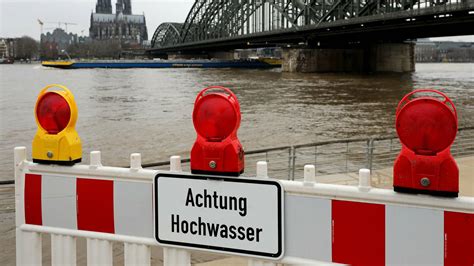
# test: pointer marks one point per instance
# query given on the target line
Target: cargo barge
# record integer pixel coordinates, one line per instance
(198, 63)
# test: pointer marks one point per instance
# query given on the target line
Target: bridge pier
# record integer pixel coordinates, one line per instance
(384, 57)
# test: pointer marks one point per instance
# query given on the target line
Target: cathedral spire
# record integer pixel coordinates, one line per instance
(127, 7)
(119, 7)
(103, 7)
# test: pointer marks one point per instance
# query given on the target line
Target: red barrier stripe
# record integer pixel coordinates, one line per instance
(95, 205)
(33, 213)
(358, 233)
(458, 238)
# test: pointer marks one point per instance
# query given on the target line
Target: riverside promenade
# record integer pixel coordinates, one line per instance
(381, 178)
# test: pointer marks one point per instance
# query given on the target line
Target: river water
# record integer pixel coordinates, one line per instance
(150, 110)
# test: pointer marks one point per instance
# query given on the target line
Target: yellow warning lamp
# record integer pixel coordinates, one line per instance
(56, 141)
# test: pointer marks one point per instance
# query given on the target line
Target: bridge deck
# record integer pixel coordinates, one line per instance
(454, 18)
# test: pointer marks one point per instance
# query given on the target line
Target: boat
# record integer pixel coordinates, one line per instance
(159, 63)
(6, 61)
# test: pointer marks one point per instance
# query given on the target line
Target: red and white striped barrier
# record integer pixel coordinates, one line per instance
(362, 233)
(323, 223)
(97, 205)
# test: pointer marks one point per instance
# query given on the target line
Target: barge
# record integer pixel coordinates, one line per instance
(194, 63)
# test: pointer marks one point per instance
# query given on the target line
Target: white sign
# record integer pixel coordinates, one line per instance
(229, 215)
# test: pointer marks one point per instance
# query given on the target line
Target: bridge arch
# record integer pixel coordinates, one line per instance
(211, 19)
(166, 34)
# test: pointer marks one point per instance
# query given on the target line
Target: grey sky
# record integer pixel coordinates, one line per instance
(19, 17)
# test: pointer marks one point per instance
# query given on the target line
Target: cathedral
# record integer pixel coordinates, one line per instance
(122, 25)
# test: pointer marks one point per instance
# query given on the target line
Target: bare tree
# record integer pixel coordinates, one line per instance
(26, 48)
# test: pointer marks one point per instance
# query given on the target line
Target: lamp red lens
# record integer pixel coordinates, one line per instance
(53, 113)
(215, 118)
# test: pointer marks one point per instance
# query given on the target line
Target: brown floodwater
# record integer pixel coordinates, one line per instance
(149, 110)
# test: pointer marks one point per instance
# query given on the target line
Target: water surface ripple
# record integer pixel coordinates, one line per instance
(149, 110)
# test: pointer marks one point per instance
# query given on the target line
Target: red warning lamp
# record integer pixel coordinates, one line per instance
(216, 118)
(53, 113)
(426, 127)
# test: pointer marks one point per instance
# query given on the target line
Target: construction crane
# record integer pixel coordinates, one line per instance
(41, 25)
(57, 22)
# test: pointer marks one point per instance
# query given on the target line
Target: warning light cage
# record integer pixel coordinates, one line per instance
(216, 118)
(426, 125)
(66, 95)
(216, 126)
(56, 140)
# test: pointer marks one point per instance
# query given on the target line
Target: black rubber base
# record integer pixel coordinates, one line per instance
(67, 163)
(202, 172)
(447, 194)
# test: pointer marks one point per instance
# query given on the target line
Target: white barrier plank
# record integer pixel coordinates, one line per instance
(309, 235)
(58, 199)
(175, 256)
(413, 236)
(99, 252)
(135, 254)
(133, 209)
(30, 251)
(63, 250)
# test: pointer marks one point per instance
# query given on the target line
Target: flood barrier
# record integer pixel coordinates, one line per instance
(322, 222)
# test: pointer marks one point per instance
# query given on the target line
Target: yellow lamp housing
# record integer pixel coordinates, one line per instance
(56, 140)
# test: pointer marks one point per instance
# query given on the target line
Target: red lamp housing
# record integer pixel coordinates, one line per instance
(53, 113)
(426, 127)
(216, 118)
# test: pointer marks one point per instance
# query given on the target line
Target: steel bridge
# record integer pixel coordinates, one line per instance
(224, 25)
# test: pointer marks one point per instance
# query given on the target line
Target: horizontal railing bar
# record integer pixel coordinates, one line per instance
(458, 148)
(89, 234)
(307, 145)
(92, 171)
(375, 195)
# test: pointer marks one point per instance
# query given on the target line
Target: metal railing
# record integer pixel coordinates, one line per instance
(330, 157)
(334, 157)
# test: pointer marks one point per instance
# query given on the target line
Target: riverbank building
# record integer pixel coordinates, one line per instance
(123, 25)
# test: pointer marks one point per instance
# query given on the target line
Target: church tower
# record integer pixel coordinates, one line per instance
(127, 7)
(103, 7)
(119, 7)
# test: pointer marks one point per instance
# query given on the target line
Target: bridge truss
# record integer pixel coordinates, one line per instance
(227, 19)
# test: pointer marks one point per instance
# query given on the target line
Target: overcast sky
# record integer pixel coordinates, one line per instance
(19, 17)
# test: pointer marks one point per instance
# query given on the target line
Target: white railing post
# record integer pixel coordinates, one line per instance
(309, 173)
(175, 164)
(99, 252)
(135, 161)
(28, 244)
(262, 169)
(63, 250)
(174, 256)
(136, 254)
(364, 180)
(262, 172)
(95, 160)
